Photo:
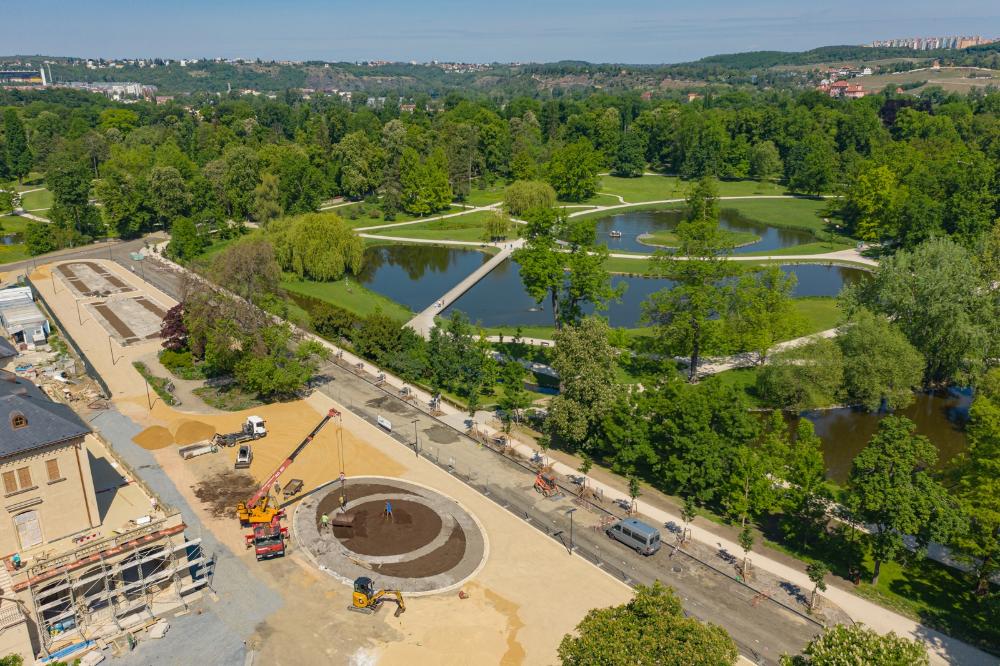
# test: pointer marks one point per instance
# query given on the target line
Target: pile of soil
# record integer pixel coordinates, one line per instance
(224, 491)
(190, 432)
(439, 561)
(154, 437)
(411, 526)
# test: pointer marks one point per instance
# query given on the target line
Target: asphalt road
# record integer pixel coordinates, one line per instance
(763, 629)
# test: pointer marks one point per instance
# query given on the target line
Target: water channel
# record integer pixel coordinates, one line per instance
(416, 276)
(634, 224)
(940, 416)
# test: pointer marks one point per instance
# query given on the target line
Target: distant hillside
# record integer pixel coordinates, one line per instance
(764, 69)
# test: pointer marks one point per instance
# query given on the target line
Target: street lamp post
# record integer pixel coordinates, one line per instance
(416, 440)
(570, 512)
(111, 350)
(78, 317)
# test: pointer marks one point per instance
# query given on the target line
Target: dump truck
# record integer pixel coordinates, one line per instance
(253, 428)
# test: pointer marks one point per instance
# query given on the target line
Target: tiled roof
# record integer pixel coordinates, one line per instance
(48, 422)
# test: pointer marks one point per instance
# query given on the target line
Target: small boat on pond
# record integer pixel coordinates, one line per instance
(614, 233)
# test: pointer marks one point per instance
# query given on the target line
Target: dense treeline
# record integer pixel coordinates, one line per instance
(910, 169)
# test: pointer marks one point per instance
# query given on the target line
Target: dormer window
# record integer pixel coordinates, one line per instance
(17, 420)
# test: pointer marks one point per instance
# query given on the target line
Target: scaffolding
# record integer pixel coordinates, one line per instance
(116, 592)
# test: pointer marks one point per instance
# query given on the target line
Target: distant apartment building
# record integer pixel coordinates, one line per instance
(933, 43)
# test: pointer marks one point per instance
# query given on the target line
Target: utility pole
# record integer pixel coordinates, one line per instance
(570, 513)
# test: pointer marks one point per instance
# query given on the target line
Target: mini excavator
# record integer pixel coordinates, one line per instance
(367, 600)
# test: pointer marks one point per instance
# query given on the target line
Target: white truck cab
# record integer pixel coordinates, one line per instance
(255, 426)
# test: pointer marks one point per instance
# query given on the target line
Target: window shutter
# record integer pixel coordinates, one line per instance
(24, 477)
(52, 467)
(9, 482)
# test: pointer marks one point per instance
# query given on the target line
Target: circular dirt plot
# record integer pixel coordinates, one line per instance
(411, 526)
(429, 543)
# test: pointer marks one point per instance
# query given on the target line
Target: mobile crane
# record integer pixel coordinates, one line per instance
(258, 509)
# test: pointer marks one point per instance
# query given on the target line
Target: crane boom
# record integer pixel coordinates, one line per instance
(266, 487)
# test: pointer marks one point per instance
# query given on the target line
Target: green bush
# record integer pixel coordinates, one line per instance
(181, 364)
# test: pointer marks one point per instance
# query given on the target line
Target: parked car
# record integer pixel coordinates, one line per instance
(643, 538)
(244, 456)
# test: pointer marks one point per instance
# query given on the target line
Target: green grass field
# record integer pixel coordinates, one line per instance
(37, 201)
(11, 224)
(469, 227)
(670, 239)
(657, 188)
(819, 313)
(485, 197)
(350, 295)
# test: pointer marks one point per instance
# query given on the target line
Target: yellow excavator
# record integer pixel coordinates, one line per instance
(367, 600)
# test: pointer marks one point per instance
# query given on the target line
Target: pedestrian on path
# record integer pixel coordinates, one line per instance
(326, 522)
(388, 510)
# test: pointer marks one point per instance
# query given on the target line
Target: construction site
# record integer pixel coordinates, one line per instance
(250, 549)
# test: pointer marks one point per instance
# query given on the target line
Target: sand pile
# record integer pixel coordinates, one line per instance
(154, 437)
(189, 432)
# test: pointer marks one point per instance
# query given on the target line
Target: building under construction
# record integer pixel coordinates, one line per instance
(92, 557)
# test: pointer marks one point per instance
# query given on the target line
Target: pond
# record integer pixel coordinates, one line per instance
(11, 239)
(940, 416)
(417, 276)
(636, 223)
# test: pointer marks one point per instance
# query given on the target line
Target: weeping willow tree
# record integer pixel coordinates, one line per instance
(316, 246)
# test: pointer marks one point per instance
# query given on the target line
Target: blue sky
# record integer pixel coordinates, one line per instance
(639, 31)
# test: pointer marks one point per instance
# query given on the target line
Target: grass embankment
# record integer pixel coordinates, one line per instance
(350, 295)
(657, 187)
(469, 227)
(229, 398)
(669, 239)
(158, 384)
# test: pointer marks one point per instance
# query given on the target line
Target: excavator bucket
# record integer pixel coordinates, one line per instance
(399, 611)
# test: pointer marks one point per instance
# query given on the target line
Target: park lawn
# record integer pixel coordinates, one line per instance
(657, 188)
(12, 224)
(364, 218)
(819, 313)
(485, 197)
(790, 212)
(469, 227)
(669, 238)
(743, 380)
(350, 295)
(37, 201)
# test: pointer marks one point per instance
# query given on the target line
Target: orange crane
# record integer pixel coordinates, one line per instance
(258, 509)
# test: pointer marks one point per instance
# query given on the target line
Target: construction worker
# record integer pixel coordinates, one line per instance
(325, 519)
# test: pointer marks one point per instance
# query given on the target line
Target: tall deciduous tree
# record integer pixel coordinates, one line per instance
(630, 159)
(811, 164)
(761, 312)
(18, 154)
(241, 176)
(169, 197)
(936, 294)
(266, 200)
(843, 645)
(649, 630)
(978, 488)
(685, 315)
(893, 493)
(572, 171)
(765, 161)
(586, 365)
(361, 165)
(803, 377)
(881, 368)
